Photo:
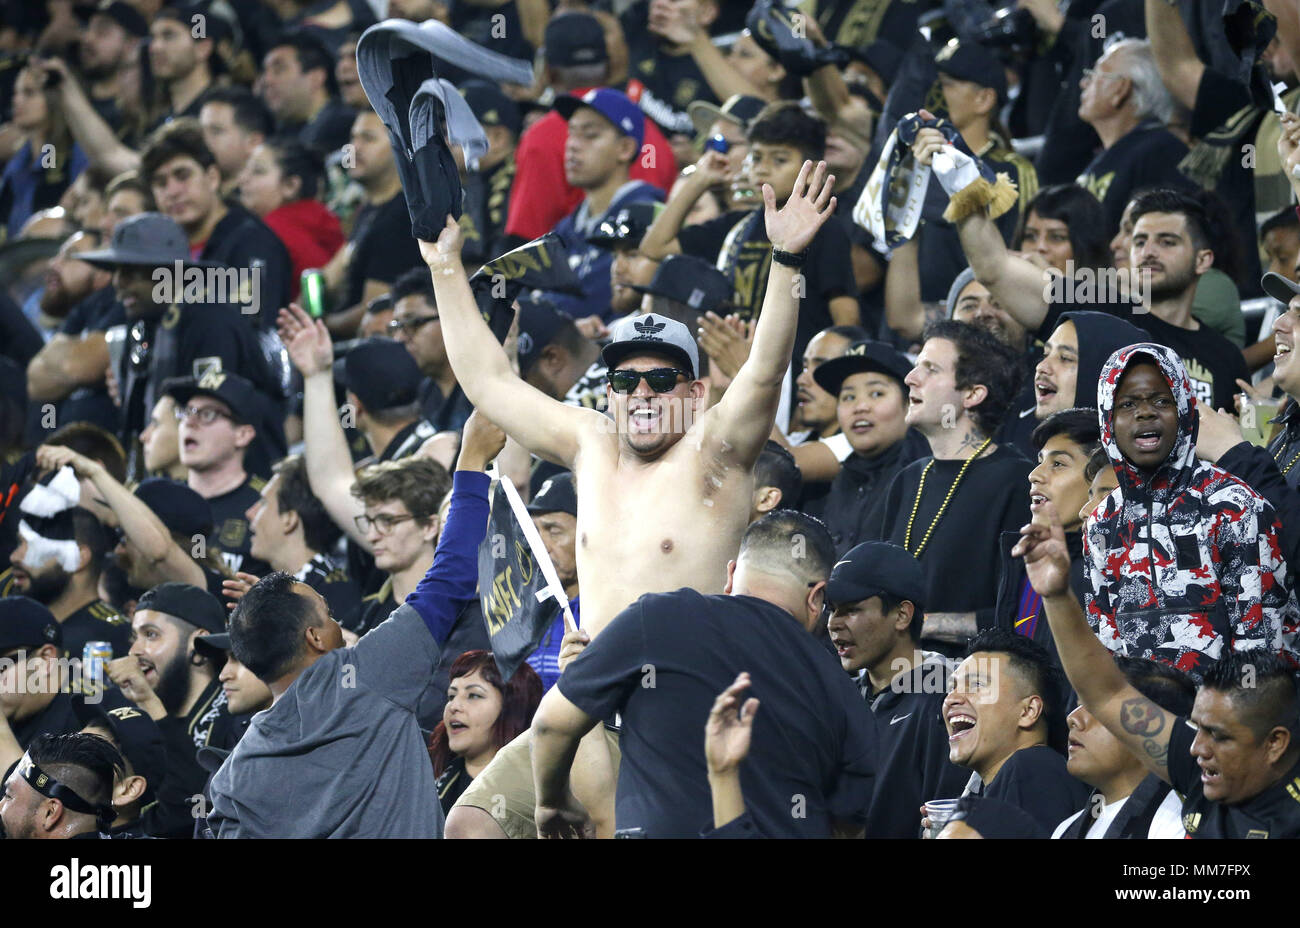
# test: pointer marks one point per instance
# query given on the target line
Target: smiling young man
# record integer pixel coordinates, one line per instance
(867, 384)
(1185, 564)
(875, 625)
(178, 688)
(1126, 800)
(1006, 723)
(947, 509)
(1235, 759)
(1065, 442)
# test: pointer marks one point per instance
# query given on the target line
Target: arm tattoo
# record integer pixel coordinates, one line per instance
(1141, 717)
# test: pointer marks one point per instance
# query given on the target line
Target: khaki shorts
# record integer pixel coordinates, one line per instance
(504, 790)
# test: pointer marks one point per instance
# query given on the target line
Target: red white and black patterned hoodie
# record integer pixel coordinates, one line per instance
(1187, 560)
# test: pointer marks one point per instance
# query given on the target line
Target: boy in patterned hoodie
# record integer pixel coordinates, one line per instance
(1185, 560)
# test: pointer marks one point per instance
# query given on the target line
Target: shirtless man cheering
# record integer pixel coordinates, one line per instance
(663, 493)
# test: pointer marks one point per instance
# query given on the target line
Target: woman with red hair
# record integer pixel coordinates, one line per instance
(482, 715)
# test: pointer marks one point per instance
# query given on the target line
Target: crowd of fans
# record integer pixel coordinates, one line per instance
(901, 391)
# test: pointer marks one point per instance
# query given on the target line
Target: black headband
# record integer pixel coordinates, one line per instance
(51, 788)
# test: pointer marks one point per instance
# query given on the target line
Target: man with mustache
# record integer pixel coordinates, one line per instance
(177, 686)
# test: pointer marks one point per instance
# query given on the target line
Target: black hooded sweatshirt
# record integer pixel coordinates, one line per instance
(851, 506)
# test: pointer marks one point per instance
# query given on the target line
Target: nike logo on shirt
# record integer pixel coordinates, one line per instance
(898, 718)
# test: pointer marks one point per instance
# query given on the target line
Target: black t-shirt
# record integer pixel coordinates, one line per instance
(1146, 156)
(1213, 363)
(383, 246)
(57, 718)
(330, 129)
(961, 559)
(443, 413)
(662, 84)
(860, 22)
(483, 224)
(242, 240)
(230, 525)
(1274, 813)
(663, 661)
(742, 238)
(1035, 781)
(96, 621)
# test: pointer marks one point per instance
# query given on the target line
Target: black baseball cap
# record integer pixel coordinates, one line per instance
(539, 322)
(215, 647)
(880, 56)
(490, 105)
(138, 737)
(739, 108)
(181, 509)
(187, 603)
(690, 281)
(381, 372)
(556, 495)
(124, 14)
(626, 227)
(970, 61)
(238, 393)
(876, 568)
(25, 623)
(866, 355)
(1279, 287)
(574, 39)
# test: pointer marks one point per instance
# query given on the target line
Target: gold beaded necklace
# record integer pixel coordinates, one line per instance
(1277, 459)
(920, 490)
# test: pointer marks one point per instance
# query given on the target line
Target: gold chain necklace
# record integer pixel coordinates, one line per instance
(1277, 459)
(920, 490)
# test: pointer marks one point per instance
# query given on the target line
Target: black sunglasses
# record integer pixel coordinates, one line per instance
(661, 379)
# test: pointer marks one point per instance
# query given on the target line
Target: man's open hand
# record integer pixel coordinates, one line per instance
(1218, 432)
(307, 340)
(727, 732)
(792, 227)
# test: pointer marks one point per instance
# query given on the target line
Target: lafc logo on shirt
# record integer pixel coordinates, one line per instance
(123, 713)
(1191, 822)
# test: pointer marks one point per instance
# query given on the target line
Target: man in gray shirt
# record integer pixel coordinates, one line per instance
(339, 754)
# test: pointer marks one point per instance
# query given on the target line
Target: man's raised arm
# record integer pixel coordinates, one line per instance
(1017, 284)
(743, 417)
(329, 464)
(1138, 722)
(544, 426)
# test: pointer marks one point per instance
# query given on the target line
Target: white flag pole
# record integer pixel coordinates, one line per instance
(553, 585)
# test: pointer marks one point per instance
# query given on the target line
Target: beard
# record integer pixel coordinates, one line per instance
(49, 585)
(57, 301)
(1174, 284)
(174, 682)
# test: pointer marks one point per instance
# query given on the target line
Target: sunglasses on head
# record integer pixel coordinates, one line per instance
(661, 379)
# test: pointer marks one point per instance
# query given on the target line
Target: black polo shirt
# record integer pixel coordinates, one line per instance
(914, 766)
(382, 247)
(1274, 813)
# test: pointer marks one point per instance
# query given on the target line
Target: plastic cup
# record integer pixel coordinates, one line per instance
(938, 811)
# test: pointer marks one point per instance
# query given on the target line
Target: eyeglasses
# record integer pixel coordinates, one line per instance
(661, 379)
(206, 415)
(382, 524)
(409, 326)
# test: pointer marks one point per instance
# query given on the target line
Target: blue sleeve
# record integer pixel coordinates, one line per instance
(453, 576)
